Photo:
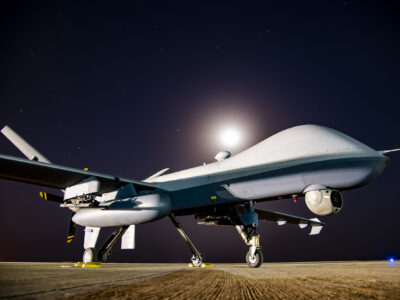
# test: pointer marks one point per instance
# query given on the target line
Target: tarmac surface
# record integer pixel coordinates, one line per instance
(307, 280)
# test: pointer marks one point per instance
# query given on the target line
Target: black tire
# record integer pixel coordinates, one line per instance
(256, 261)
(90, 255)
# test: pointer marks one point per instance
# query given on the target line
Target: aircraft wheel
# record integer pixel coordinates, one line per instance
(90, 255)
(256, 260)
(197, 261)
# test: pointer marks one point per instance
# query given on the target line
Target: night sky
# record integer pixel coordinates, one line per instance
(129, 89)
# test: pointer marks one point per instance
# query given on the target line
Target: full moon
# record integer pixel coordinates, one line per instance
(230, 137)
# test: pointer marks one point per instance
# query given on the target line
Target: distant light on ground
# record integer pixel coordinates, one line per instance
(391, 259)
(230, 137)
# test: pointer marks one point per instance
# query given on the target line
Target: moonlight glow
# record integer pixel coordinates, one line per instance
(230, 137)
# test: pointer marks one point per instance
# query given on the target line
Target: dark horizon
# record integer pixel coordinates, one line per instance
(129, 89)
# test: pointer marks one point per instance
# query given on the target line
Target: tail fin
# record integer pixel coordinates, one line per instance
(23, 146)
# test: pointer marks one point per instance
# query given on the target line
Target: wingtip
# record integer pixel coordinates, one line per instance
(4, 129)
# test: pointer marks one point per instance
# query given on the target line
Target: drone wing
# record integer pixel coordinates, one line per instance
(60, 177)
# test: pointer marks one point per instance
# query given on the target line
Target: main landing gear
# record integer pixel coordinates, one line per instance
(197, 258)
(94, 255)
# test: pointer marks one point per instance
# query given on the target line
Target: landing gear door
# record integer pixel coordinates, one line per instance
(128, 239)
(91, 235)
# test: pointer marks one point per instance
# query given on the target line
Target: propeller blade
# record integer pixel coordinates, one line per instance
(71, 231)
(51, 197)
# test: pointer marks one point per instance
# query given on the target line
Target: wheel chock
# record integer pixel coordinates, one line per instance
(80, 264)
(92, 265)
(203, 265)
(207, 265)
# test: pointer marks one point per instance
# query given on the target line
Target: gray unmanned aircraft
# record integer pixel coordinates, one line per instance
(310, 160)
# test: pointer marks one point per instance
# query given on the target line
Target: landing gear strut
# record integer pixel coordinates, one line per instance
(94, 255)
(247, 228)
(254, 256)
(197, 258)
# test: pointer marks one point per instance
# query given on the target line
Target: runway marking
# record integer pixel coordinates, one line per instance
(133, 280)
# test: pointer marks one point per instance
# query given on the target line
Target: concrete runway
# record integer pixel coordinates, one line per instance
(312, 280)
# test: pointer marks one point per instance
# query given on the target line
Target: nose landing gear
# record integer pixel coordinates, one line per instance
(254, 260)
(254, 256)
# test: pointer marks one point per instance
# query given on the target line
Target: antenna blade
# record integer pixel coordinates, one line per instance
(388, 151)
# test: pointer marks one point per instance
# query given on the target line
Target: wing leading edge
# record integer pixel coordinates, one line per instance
(60, 177)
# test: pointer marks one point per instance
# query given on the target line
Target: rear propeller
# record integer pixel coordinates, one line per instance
(71, 231)
(51, 197)
(59, 199)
